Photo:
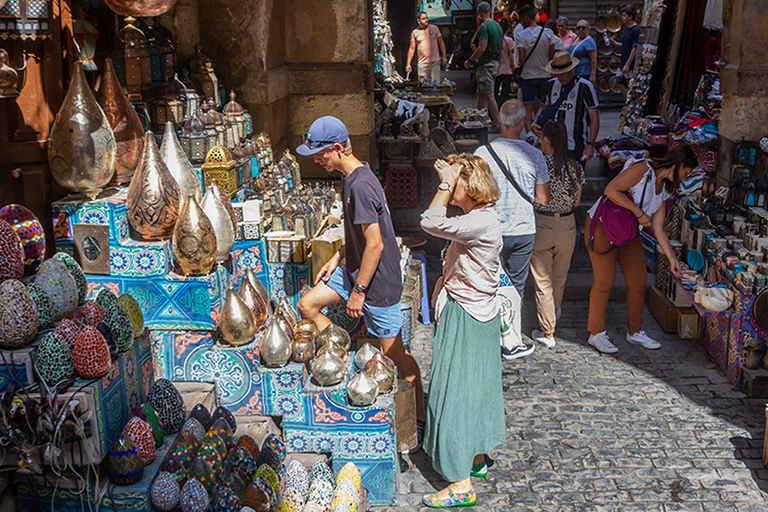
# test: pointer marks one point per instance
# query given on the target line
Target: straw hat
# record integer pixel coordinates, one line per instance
(562, 63)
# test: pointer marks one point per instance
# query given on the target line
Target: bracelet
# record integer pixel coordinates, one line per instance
(641, 214)
(590, 143)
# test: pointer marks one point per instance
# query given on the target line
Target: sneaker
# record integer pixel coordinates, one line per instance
(539, 336)
(519, 351)
(602, 343)
(558, 313)
(530, 139)
(641, 338)
(420, 429)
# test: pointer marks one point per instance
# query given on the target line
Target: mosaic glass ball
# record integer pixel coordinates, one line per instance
(236, 483)
(53, 359)
(269, 458)
(91, 354)
(214, 440)
(18, 314)
(277, 445)
(165, 492)
(221, 427)
(92, 312)
(321, 472)
(173, 467)
(168, 404)
(249, 444)
(69, 330)
(11, 253)
(118, 322)
(223, 412)
(201, 414)
(128, 304)
(267, 473)
(109, 337)
(106, 298)
(54, 278)
(264, 484)
(194, 497)
(195, 428)
(125, 466)
(296, 477)
(141, 434)
(202, 472)
(244, 462)
(77, 274)
(255, 498)
(43, 305)
(30, 232)
(226, 500)
(147, 413)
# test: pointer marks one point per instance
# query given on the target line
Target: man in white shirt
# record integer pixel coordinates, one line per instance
(526, 165)
(532, 58)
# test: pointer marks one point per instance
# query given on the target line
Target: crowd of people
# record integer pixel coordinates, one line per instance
(517, 204)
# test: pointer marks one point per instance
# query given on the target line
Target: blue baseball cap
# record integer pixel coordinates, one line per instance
(483, 7)
(323, 133)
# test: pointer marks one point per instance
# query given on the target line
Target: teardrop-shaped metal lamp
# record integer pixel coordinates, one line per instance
(236, 323)
(275, 347)
(222, 225)
(194, 240)
(178, 164)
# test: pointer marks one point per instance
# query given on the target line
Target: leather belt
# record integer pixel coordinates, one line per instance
(553, 214)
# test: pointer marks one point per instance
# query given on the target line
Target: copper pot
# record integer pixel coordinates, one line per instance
(140, 8)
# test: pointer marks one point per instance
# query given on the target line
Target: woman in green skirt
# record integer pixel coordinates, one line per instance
(465, 413)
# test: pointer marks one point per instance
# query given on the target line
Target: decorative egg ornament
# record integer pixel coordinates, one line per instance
(18, 315)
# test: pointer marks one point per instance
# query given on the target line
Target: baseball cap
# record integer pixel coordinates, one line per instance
(483, 7)
(323, 133)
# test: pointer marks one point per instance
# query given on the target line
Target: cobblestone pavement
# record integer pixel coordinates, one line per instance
(636, 431)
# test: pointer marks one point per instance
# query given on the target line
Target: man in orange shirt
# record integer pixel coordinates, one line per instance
(426, 39)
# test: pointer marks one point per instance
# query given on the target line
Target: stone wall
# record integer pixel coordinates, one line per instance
(290, 62)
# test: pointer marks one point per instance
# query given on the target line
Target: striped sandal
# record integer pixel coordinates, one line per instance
(464, 499)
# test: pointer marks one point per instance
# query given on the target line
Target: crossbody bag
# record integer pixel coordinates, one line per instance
(517, 74)
(508, 174)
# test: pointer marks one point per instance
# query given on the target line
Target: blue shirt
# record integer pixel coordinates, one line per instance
(580, 52)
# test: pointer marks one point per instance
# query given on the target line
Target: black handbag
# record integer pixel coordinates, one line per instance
(517, 74)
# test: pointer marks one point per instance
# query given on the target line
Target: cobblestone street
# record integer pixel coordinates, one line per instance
(635, 431)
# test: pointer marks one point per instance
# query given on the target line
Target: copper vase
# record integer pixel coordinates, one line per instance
(194, 241)
(303, 348)
(236, 323)
(82, 147)
(125, 124)
(153, 196)
(222, 225)
(179, 165)
(255, 303)
(216, 188)
(259, 287)
(140, 8)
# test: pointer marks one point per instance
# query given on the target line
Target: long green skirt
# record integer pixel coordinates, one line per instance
(465, 413)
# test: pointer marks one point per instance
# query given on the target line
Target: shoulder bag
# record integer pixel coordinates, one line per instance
(517, 74)
(508, 174)
(620, 225)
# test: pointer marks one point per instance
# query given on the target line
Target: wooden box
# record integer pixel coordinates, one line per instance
(687, 323)
(662, 310)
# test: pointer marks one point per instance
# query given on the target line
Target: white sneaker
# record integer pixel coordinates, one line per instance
(641, 338)
(602, 343)
(539, 336)
(558, 313)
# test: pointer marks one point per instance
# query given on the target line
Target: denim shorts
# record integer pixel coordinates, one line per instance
(382, 321)
(533, 89)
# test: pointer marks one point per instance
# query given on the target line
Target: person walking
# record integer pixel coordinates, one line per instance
(465, 414)
(555, 230)
(485, 60)
(370, 281)
(630, 38)
(521, 174)
(584, 48)
(427, 42)
(566, 35)
(650, 184)
(503, 83)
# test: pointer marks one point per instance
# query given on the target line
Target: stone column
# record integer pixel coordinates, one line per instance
(744, 79)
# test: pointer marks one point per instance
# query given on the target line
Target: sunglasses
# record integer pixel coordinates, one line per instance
(314, 144)
(582, 28)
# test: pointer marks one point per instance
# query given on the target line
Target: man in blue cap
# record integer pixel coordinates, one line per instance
(370, 281)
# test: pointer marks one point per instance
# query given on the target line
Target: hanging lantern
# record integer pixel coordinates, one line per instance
(202, 72)
(208, 118)
(132, 60)
(220, 166)
(192, 140)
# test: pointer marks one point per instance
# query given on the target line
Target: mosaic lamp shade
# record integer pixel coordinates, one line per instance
(125, 466)
(195, 427)
(53, 359)
(168, 404)
(296, 477)
(267, 473)
(172, 466)
(91, 313)
(201, 414)
(77, 274)
(249, 444)
(18, 315)
(69, 330)
(147, 413)
(11, 253)
(60, 286)
(321, 473)
(185, 448)
(214, 442)
(223, 412)
(194, 497)
(165, 492)
(273, 442)
(131, 307)
(256, 498)
(142, 437)
(203, 473)
(106, 298)
(118, 322)
(221, 427)
(30, 232)
(91, 355)
(226, 500)
(43, 305)
(243, 462)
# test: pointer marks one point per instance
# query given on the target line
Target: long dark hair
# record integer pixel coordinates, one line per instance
(677, 157)
(557, 135)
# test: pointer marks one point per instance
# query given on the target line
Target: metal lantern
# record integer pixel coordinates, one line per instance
(220, 166)
(132, 60)
(167, 109)
(167, 50)
(212, 138)
(233, 112)
(192, 100)
(201, 69)
(192, 140)
(155, 55)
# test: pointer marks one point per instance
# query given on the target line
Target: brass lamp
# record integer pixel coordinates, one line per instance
(220, 165)
(233, 112)
(192, 140)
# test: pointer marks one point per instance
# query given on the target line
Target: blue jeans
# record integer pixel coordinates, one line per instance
(533, 89)
(516, 258)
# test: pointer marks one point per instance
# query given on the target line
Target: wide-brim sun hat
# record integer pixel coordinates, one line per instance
(323, 134)
(562, 63)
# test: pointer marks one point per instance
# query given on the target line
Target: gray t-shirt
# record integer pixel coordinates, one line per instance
(528, 167)
(365, 203)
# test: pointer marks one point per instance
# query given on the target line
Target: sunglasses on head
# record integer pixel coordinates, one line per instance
(314, 144)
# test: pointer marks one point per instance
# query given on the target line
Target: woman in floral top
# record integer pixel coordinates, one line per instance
(555, 230)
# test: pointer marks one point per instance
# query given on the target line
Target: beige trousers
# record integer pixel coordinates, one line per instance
(550, 261)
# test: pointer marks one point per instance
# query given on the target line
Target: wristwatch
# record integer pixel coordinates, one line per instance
(445, 186)
(359, 288)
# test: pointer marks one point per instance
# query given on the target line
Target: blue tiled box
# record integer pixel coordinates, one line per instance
(132, 258)
(109, 211)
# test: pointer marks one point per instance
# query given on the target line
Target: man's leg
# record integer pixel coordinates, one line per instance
(312, 303)
(406, 365)
(516, 258)
(493, 108)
